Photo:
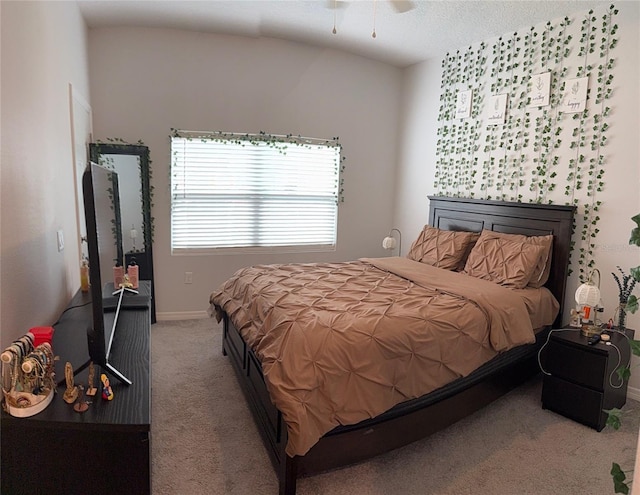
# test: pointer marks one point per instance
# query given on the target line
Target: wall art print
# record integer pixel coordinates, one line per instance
(574, 98)
(463, 104)
(539, 90)
(497, 109)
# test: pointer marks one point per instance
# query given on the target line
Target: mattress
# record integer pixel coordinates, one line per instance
(340, 343)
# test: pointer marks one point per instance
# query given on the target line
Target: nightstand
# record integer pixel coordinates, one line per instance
(582, 379)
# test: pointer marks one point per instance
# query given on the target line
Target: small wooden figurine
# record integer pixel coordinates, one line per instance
(71, 393)
(81, 405)
(107, 393)
(91, 390)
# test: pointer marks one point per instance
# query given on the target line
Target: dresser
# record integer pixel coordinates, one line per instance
(105, 450)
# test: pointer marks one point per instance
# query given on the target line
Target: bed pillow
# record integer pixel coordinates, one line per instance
(445, 249)
(503, 261)
(540, 274)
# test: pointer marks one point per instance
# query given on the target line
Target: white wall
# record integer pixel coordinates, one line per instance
(621, 198)
(146, 81)
(43, 51)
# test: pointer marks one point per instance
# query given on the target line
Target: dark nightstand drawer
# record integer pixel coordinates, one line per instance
(582, 365)
(580, 379)
(575, 402)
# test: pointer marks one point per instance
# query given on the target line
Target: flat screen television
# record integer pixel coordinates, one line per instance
(104, 247)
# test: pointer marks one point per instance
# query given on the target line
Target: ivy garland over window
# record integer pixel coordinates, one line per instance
(522, 159)
(278, 142)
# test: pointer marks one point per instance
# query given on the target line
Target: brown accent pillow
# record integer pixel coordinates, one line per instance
(446, 249)
(540, 274)
(503, 261)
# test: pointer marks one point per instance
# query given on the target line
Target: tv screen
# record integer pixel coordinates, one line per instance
(104, 245)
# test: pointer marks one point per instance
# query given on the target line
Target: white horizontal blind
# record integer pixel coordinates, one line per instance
(249, 193)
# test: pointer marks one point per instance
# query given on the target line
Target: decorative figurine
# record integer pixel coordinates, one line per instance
(575, 319)
(91, 390)
(107, 393)
(81, 405)
(71, 394)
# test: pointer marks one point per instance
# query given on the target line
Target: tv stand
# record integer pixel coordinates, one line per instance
(108, 365)
(118, 375)
(103, 451)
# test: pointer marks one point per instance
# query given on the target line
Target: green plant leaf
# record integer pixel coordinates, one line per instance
(635, 233)
(613, 417)
(624, 372)
(632, 304)
(635, 346)
(618, 479)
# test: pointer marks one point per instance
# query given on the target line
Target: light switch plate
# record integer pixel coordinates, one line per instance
(60, 241)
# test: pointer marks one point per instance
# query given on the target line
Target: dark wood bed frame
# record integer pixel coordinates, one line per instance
(420, 417)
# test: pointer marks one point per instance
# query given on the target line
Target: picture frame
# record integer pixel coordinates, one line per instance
(540, 89)
(463, 104)
(497, 109)
(574, 96)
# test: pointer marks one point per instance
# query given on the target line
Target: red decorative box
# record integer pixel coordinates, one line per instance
(41, 334)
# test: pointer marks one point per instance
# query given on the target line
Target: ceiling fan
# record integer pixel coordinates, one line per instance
(400, 7)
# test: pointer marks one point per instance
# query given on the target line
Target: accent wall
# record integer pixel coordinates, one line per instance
(425, 169)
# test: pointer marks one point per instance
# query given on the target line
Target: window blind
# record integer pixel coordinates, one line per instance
(254, 194)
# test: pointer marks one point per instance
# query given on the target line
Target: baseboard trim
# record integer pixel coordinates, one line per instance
(633, 393)
(181, 315)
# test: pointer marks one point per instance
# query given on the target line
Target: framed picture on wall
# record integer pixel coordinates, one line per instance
(463, 104)
(539, 89)
(574, 96)
(497, 109)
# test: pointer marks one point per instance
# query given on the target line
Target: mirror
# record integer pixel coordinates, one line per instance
(131, 162)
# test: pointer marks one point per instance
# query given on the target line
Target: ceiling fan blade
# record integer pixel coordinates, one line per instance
(402, 6)
(336, 4)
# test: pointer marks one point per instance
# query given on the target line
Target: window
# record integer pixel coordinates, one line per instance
(256, 193)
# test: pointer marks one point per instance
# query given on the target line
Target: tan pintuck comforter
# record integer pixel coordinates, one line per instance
(344, 342)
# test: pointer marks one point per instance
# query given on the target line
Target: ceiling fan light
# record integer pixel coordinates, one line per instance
(402, 6)
(373, 35)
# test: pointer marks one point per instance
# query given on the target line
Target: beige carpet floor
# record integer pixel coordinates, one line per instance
(204, 441)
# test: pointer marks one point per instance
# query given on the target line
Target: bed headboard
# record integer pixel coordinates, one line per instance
(513, 218)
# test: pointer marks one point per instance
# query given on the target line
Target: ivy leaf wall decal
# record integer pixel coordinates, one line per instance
(540, 154)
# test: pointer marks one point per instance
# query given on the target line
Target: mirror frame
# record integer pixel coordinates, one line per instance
(142, 152)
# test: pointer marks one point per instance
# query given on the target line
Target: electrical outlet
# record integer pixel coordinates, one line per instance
(60, 240)
(188, 277)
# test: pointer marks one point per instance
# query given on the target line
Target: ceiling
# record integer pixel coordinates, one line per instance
(428, 29)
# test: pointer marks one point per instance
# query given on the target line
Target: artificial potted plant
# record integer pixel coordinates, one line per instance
(628, 302)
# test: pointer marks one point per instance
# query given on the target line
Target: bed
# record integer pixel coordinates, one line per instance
(399, 413)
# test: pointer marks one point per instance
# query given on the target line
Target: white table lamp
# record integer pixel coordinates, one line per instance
(390, 243)
(588, 299)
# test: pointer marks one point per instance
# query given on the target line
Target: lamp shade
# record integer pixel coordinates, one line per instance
(389, 243)
(588, 295)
